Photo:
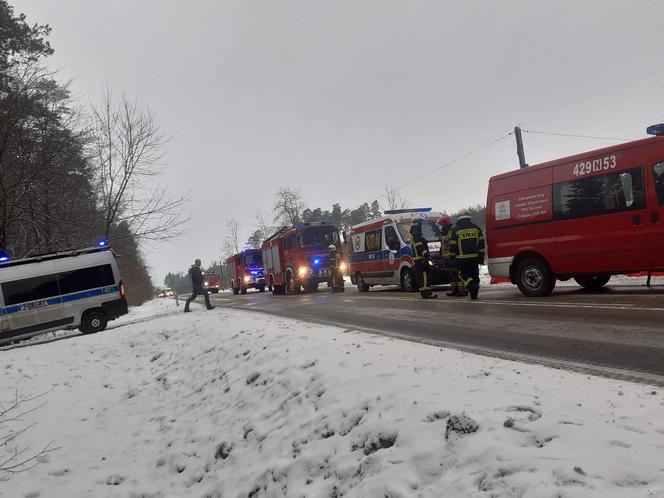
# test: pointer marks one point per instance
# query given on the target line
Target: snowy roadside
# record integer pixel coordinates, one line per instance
(230, 403)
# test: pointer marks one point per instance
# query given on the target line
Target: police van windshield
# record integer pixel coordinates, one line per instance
(430, 231)
(318, 237)
(253, 258)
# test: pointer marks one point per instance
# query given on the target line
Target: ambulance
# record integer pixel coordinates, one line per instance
(586, 217)
(379, 250)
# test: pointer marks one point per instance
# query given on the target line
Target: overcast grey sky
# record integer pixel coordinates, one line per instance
(337, 98)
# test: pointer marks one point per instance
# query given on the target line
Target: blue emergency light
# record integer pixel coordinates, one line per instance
(657, 130)
(3, 258)
(102, 243)
(411, 210)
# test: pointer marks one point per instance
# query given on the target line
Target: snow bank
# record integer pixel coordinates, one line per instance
(229, 403)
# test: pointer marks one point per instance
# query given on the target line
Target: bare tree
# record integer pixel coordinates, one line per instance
(288, 206)
(127, 147)
(394, 199)
(262, 225)
(17, 458)
(232, 238)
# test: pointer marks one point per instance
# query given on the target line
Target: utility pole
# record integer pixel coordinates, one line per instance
(519, 147)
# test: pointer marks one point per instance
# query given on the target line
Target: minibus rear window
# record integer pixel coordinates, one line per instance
(30, 289)
(85, 278)
(597, 195)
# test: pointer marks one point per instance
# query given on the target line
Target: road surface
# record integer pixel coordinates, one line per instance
(618, 331)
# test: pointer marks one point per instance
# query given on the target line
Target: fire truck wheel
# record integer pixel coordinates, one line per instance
(534, 278)
(277, 290)
(407, 281)
(593, 282)
(236, 291)
(312, 287)
(243, 290)
(362, 286)
(292, 287)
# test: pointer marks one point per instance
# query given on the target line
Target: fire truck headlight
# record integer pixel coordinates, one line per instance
(206, 283)
(343, 267)
(302, 271)
(247, 278)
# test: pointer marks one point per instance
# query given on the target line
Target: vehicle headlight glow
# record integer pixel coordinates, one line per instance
(430, 263)
(206, 283)
(302, 271)
(343, 267)
(247, 278)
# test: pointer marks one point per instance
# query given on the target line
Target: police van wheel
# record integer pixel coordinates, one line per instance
(93, 321)
(236, 291)
(593, 282)
(407, 281)
(243, 290)
(362, 286)
(534, 278)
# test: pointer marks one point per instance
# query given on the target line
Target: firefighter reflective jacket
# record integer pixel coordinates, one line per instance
(467, 240)
(419, 247)
(445, 249)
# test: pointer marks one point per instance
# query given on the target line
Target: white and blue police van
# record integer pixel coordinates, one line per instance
(66, 290)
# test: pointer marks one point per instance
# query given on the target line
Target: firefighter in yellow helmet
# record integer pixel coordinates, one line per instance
(456, 287)
(420, 249)
(467, 248)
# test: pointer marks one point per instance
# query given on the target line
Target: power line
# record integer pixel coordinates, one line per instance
(577, 136)
(475, 151)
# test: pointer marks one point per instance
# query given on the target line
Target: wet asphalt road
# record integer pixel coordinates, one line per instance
(618, 331)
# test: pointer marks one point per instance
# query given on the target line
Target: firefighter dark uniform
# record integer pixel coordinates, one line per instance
(456, 287)
(336, 262)
(420, 249)
(467, 248)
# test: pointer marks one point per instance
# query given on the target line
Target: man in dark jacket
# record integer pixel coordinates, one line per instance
(197, 285)
(467, 248)
(420, 249)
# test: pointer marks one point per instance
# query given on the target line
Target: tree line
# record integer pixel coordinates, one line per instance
(69, 176)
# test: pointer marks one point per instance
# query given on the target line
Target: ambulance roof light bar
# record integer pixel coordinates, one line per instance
(409, 210)
(656, 130)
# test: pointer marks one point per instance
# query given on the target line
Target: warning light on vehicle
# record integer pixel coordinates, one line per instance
(657, 130)
(3, 258)
(316, 261)
(102, 243)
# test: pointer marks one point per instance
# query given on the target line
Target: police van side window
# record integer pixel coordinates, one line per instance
(597, 195)
(85, 278)
(30, 289)
(658, 177)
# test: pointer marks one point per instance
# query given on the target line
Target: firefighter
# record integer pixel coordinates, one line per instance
(456, 287)
(420, 248)
(336, 263)
(467, 248)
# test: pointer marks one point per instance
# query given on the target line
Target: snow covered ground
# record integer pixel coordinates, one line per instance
(229, 403)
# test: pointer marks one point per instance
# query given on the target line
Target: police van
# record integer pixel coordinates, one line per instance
(74, 289)
(379, 250)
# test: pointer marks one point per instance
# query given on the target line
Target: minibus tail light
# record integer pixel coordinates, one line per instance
(122, 289)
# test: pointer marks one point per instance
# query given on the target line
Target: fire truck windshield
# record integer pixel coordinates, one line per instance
(253, 258)
(318, 237)
(430, 231)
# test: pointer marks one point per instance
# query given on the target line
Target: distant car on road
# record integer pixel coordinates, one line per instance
(166, 293)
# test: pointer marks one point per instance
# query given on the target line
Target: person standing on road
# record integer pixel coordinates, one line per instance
(336, 270)
(197, 286)
(456, 287)
(420, 249)
(467, 248)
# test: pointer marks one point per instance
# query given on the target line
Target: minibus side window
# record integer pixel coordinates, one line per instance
(597, 195)
(373, 240)
(30, 289)
(658, 177)
(85, 278)
(391, 238)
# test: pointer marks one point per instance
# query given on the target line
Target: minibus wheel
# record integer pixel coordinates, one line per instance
(534, 278)
(93, 321)
(593, 282)
(407, 280)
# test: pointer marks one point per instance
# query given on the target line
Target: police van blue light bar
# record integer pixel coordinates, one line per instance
(657, 130)
(412, 210)
(3, 258)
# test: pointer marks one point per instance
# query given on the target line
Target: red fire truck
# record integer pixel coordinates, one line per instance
(297, 257)
(211, 282)
(586, 217)
(243, 271)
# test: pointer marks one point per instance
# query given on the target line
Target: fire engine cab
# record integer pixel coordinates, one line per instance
(297, 257)
(380, 254)
(586, 217)
(211, 282)
(243, 271)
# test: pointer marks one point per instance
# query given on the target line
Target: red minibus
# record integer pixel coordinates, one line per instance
(586, 217)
